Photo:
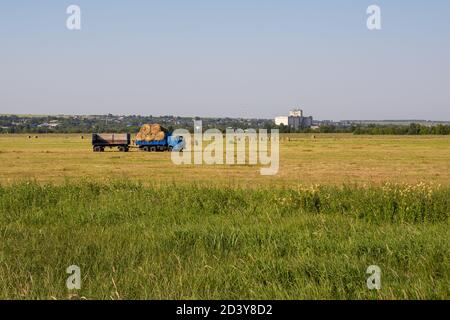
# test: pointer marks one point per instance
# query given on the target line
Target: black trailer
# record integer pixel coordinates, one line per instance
(100, 141)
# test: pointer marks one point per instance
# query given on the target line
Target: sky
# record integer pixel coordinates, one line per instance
(233, 58)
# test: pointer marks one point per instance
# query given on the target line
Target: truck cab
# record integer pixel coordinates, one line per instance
(169, 143)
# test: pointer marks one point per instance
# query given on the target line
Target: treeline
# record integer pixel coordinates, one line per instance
(412, 129)
(119, 124)
(122, 124)
(373, 129)
(321, 129)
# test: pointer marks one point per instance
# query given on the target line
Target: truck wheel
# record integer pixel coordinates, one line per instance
(146, 149)
(152, 149)
(170, 148)
(98, 149)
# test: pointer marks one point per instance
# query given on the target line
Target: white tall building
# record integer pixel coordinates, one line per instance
(296, 113)
(281, 121)
(295, 120)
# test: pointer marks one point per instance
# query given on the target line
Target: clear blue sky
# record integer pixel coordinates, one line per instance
(227, 58)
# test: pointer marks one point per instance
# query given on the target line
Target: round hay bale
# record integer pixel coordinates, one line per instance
(160, 135)
(146, 129)
(155, 128)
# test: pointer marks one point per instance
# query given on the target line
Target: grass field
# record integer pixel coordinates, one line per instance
(328, 159)
(142, 228)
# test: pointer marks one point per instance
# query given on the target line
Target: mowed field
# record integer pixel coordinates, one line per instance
(325, 160)
(140, 227)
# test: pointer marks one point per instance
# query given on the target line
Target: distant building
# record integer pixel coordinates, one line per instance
(300, 122)
(48, 125)
(295, 120)
(283, 120)
(296, 113)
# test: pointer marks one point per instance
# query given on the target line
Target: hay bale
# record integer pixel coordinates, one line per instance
(160, 135)
(155, 128)
(151, 132)
(149, 138)
(146, 129)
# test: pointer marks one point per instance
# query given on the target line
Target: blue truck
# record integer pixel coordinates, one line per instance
(123, 143)
(169, 143)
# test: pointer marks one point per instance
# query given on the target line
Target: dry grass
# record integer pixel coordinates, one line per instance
(325, 160)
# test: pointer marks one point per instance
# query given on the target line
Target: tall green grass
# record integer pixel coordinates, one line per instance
(195, 242)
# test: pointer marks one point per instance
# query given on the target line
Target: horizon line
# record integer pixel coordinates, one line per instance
(30, 115)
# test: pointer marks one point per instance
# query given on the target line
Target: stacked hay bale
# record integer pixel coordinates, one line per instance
(151, 132)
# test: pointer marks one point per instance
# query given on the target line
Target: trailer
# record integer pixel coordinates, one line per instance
(169, 143)
(100, 141)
